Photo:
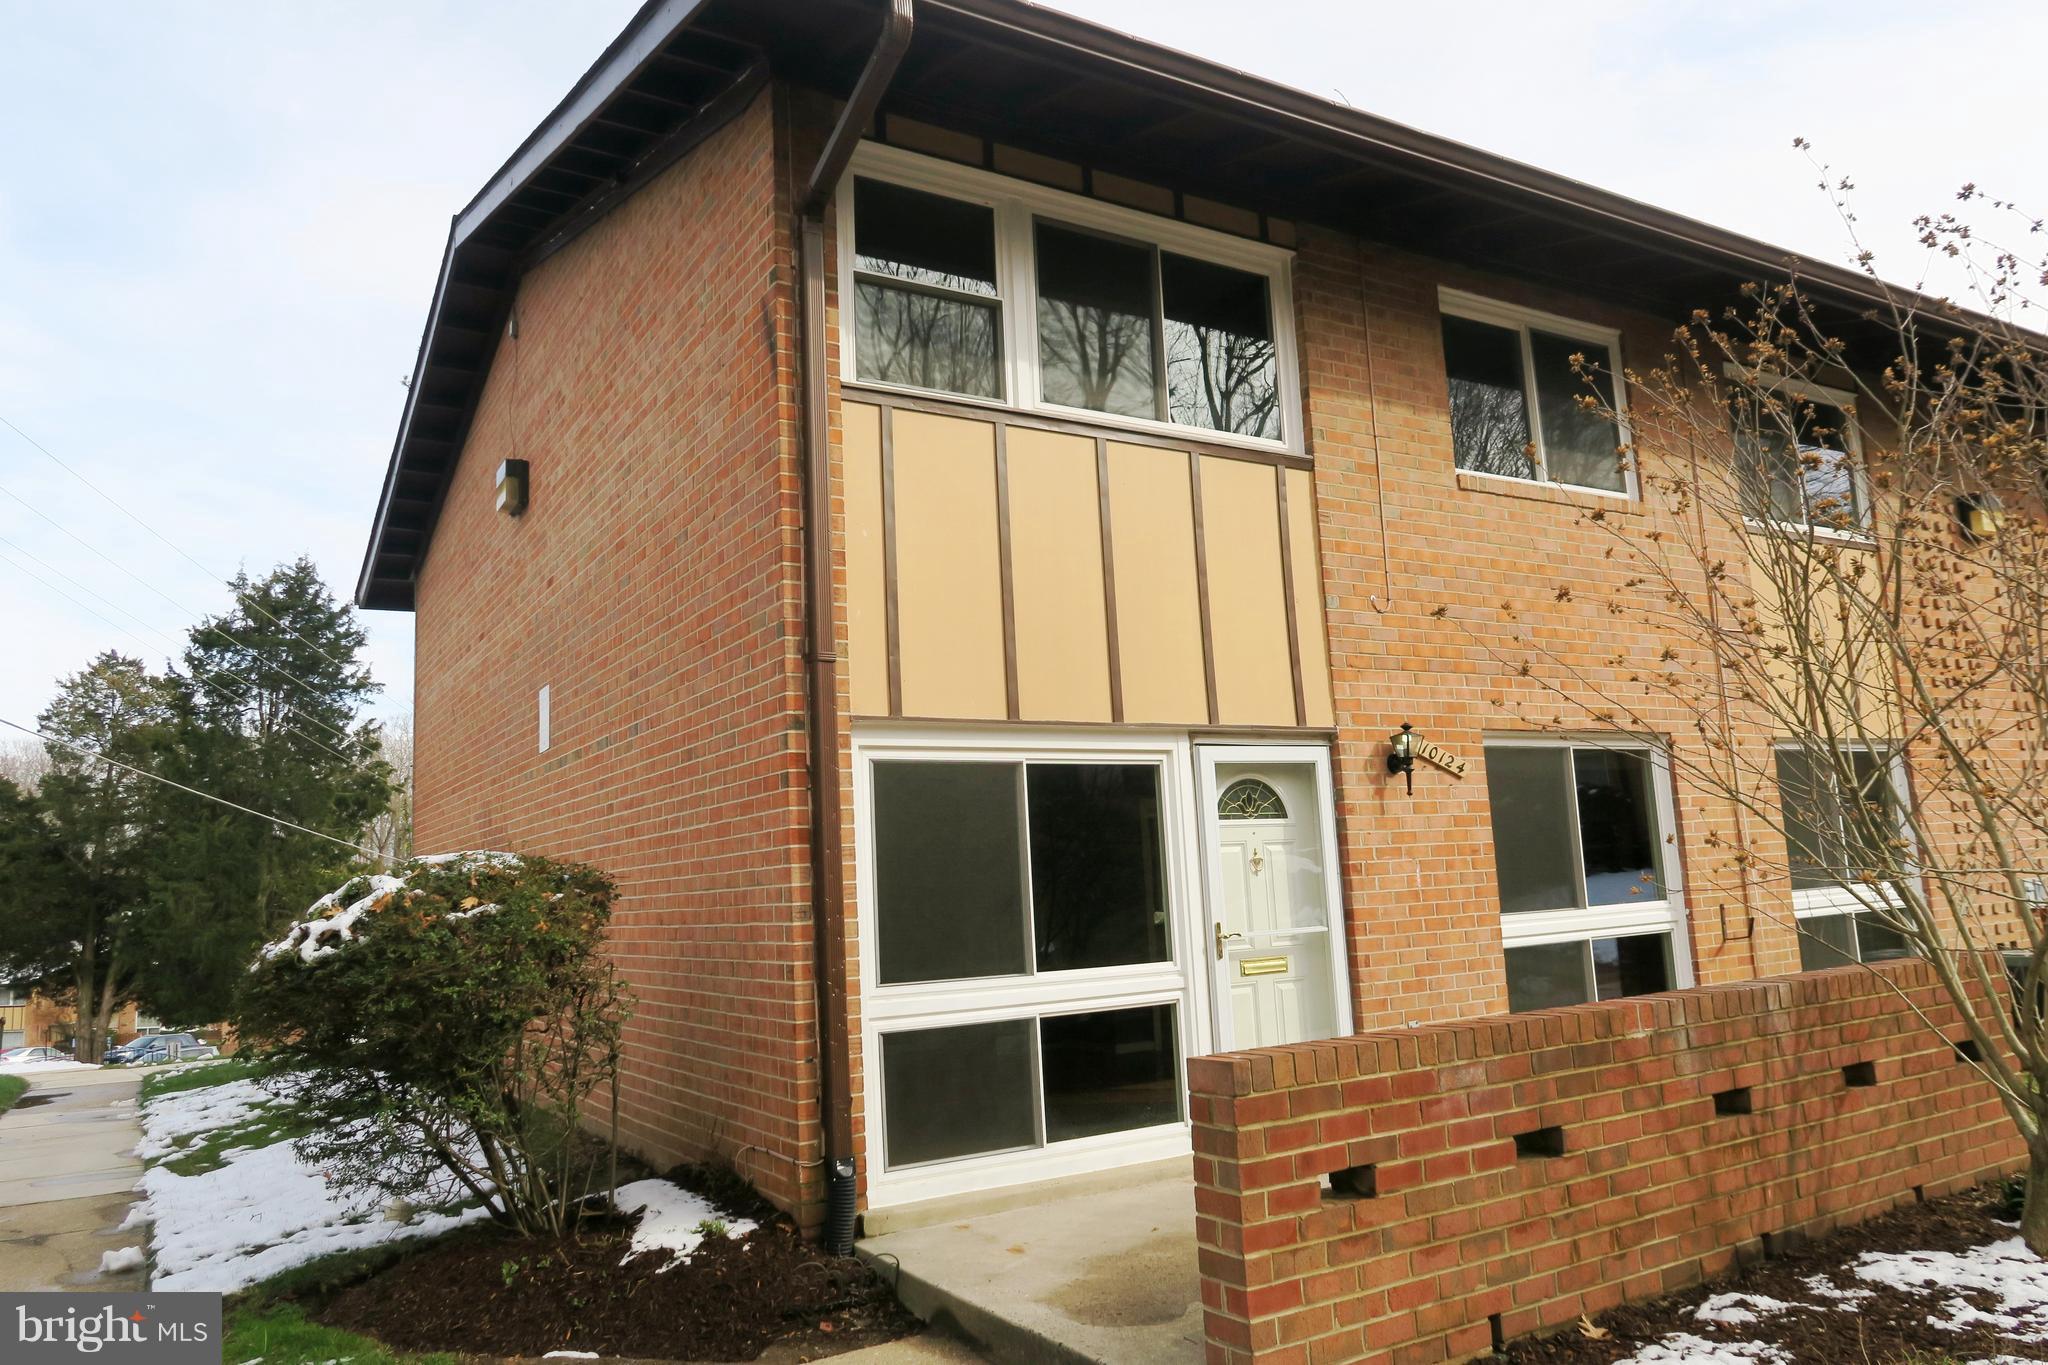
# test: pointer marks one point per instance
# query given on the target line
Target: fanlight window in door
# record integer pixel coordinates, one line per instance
(1250, 799)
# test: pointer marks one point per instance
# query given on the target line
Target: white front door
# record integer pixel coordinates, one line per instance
(1275, 939)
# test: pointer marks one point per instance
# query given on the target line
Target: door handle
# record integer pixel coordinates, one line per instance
(1220, 936)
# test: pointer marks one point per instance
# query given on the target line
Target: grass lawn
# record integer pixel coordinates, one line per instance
(11, 1089)
(279, 1334)
(193, 1075)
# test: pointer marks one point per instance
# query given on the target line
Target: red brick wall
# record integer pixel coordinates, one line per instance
(1404, 537)
(1655, 1190)
(653, 585)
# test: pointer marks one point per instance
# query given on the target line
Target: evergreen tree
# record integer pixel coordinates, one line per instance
(267, 718)
(76, 857)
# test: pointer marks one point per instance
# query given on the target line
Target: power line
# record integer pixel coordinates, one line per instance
(209, 796)
(178, 549)
(293, 720)
(216, 630)
(301, 734)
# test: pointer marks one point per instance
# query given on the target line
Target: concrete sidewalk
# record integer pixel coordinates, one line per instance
(67, 1177)
(1108, 1275)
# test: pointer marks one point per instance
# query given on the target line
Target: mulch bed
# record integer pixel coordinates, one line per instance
(488, 1294)
(1889, 1328)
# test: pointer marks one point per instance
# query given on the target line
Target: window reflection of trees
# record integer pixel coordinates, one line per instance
(1096, 358)
(926, 340)
(1222, 380)
(1490, 429)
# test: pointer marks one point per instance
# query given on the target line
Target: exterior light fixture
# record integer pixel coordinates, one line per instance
(1982, 516)
(1402, 759)
(512, 487)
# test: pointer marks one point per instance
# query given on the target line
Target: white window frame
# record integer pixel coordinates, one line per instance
(1837, 900)
(1016, 204)
(1782, 386)
(1476, 308)
(894, 1008)
(1531, 928)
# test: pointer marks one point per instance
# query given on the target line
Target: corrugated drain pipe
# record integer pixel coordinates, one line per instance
(828, 871)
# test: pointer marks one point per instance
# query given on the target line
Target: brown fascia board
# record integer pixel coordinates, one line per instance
(1339, 125)
(1329, 124)
(656, 23)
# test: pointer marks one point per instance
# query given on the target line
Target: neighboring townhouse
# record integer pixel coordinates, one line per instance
(949, 505)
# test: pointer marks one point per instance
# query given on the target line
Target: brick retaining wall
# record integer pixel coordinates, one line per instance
(1504, 1175)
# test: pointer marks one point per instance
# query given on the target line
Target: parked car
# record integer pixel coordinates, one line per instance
(160, 1047)
(21, 1056)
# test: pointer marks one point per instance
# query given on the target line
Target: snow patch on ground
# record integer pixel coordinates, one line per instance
(1844, 1299)
(260, 1212)
(170, 1119)
(1731, 1310)
(121, 1261)
(671, 1218)
(2005, 1271)
(37, 1068)
(1683, 1348)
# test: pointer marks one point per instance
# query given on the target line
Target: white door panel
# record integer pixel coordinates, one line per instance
(1272, 896)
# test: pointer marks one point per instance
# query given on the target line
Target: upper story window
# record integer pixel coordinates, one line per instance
(1516, 409)
(969, 284)
(927, 314)
(1800, 458)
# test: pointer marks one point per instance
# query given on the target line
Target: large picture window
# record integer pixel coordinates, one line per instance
(968, 284)
(1586, 873)
(1517, 399)
(1019, 923)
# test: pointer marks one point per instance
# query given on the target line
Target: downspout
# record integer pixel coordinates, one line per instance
(828, 871)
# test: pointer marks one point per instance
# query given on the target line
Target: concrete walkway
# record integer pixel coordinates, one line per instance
(1098, 1276)
(67, 1177)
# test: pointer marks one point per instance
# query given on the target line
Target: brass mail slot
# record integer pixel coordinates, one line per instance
(1261, 966)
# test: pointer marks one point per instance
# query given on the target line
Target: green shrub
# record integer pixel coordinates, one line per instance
(12, 1088)
(444, 1027)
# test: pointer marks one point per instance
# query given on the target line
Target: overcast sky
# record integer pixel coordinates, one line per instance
(220, 223)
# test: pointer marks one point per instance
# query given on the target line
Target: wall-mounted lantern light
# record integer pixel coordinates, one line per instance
(1982, 516)
(1402, 758)
(512, 487)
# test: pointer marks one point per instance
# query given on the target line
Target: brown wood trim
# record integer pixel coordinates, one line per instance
(1008, 571)
(1287, 597)
(1202, 581)
(887, 398)
(1210, 733)
(1116, 663)
(892, 624)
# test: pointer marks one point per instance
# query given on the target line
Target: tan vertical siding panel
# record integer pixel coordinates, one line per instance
(1159, 626)
(1317, 708)
(867, 587)
(949, 593)
(1056, 571)
(1247, 605)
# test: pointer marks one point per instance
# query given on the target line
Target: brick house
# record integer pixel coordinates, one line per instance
(946, 503)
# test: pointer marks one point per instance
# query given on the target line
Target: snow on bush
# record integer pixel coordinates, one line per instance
(450, 1019)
